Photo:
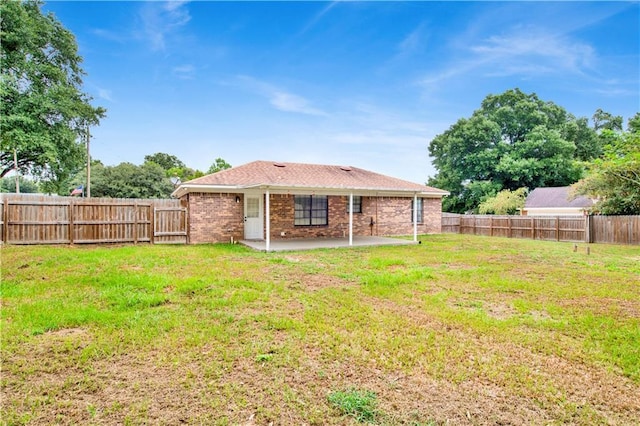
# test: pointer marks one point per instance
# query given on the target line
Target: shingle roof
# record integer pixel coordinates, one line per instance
(555, 197)
(299, 175)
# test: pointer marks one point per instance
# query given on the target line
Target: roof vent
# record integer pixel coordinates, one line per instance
(279, 164)
(345, 168)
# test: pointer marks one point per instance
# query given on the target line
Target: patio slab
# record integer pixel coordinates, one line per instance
(316, 243)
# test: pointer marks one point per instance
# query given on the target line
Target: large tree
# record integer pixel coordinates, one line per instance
(515, 140)
(43, 112)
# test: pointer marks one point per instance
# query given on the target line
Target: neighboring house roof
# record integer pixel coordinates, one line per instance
(291, 177)
(559, 197)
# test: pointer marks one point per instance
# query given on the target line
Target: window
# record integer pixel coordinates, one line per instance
(311, 210)
(357, 204)
(419, 210)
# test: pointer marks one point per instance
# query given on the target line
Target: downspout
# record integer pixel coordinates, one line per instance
(268, 217)
(415, 217)
(351, 219)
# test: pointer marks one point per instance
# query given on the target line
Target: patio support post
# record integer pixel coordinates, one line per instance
(415, 217)
(268, 220)
(351, 218)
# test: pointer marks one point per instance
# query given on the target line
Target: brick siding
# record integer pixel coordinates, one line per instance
(217, 217)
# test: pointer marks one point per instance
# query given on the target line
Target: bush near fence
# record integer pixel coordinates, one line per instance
(590, 229)
(41, 219)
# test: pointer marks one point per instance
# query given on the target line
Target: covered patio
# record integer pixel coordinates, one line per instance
(295, 244)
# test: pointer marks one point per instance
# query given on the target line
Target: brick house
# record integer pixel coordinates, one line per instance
(264, 200)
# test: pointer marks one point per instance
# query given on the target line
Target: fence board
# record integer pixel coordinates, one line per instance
(596, 229)
(38, 219)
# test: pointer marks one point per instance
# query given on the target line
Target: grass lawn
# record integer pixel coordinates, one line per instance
(457, 330)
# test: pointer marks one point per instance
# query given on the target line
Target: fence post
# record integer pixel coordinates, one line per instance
(533, 228)
(587, 229)
(557, 228)
(509, 224)
(491, 226)
(5, 223)
(135, 223)
(152, 223)
(70, 222)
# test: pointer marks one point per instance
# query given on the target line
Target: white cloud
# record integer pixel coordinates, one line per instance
(280, 99)
(105, 94)
(160, 19)
(524, 52)
(184, 72)
(536, 45)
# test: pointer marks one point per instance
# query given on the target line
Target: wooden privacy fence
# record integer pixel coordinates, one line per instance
(39, 219)
(591, 229)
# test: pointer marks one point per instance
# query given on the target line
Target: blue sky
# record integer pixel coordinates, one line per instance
(367, 84)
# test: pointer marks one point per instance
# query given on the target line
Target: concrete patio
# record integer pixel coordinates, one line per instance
(317, 243)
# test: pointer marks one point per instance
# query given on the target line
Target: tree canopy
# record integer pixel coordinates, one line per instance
(614, 179)
(505, 202)
(127, 180)
(218, 165)
(43, 112)
(514, 140)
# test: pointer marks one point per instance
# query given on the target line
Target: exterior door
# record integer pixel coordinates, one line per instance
(253, 222)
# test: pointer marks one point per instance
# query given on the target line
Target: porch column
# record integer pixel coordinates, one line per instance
(268, 220)
(415, 217)
(351, 219)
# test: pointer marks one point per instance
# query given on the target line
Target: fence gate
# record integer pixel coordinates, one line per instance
(170, 225)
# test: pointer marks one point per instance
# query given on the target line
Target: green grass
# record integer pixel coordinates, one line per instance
(361, 405)
(459, 329)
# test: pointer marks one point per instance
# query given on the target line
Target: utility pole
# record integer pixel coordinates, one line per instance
(15, 168)
(88, 164)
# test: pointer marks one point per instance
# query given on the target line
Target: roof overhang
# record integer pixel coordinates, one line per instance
(187, 188)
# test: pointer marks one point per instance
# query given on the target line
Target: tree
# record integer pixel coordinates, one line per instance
(218, 165)
(126, 180)
(43, 112)
(514, 140)
(606, 121)
(166, 161)
(634, 123)
(614, 179)
(173, 166)
(505, 202)
(8, 184)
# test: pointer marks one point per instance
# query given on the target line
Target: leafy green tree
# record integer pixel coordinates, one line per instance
(614, 179)
(43, 112)
(218, 165)
(126, 180)
(173, 166)
(166, 161)
(505, 202)
(634, 123)
(8, 184)
(606, 121)
(514, 140)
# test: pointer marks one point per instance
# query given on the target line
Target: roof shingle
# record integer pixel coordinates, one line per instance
(555, 197)
(268, 173)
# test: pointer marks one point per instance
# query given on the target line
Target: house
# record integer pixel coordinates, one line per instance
(266, 200)
(555, 202)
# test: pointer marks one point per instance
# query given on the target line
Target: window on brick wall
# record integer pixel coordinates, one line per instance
(311, 210)
(419, 210)
(357, 204)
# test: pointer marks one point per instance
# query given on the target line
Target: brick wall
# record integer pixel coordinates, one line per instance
(217, 217)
